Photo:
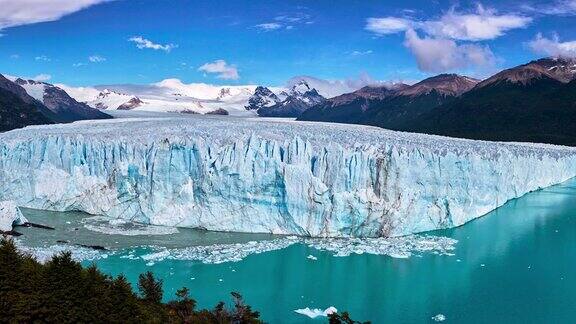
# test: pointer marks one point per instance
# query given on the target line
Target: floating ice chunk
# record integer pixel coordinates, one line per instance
(115, 226)
(313, 313)
(439, 318)
(44, 254)
(311, 257)
(10, 215)
(217, 253)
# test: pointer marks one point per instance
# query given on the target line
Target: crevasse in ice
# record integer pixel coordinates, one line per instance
(285, 177)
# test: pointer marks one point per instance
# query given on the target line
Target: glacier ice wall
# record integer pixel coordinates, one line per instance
(252, 175)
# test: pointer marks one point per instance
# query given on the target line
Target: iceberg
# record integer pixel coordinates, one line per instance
(316, 312)
(270, 176)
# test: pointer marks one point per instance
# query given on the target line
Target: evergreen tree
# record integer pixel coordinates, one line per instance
(150, 288)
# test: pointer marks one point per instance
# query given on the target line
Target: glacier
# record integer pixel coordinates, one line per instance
(270, 176)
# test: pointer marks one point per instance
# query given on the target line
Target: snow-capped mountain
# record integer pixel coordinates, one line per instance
(170, 95)
(262, 97)
(291, 102)
(65, 108)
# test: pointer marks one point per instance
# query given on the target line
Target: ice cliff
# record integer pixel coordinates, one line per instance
(254, 175)
(10, 215)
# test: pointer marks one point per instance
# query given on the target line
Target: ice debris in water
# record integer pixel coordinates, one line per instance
(45, 253)
(311, 257)
(397, 247)
(439, 318)
(216, 253)
(313, 313)
(116, 226)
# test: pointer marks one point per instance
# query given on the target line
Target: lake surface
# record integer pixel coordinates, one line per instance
(514, 265)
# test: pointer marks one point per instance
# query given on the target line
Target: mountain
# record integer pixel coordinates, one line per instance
(560, 69)
(16, 112)
(262, 97)
(65, 108)
(390, 106)
(291, 102)
(170, 95)
(534, 102)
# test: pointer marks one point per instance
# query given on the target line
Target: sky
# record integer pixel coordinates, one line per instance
(94, 42)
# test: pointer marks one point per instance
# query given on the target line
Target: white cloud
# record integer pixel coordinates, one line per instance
(43, 58)
(222, 69)
(553, 46)
(483, 24)
(96, 58)
(78, 64)
(361, 53)
(556, 8)
(287, 22)
(14, 56)
(42, 77)
(388, 25)
(269, 26)
(440, 55)
(24, 12)
(142, 43)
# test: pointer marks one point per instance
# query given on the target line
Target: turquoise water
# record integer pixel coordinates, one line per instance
(516, 264)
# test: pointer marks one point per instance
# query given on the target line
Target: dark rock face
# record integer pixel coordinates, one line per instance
(18, 109)
(298, 99)
(218, 111)
(67, 108)
(131, 104)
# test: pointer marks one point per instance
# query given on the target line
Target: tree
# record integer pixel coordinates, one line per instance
(183, 307)
(150, 288)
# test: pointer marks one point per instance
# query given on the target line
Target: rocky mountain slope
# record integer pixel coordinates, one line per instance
(534, 102)
(391, 106)
(59, 102)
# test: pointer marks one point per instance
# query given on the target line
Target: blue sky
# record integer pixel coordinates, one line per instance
(90, 42)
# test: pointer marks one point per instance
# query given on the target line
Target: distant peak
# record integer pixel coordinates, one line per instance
(445, 84)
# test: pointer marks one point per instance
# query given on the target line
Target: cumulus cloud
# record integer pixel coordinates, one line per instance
(222, 70)
(96, 58)
(42, 77)
(440, 55)
(553, 46)
(483, 24)
(24, 12)
(142, 43)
